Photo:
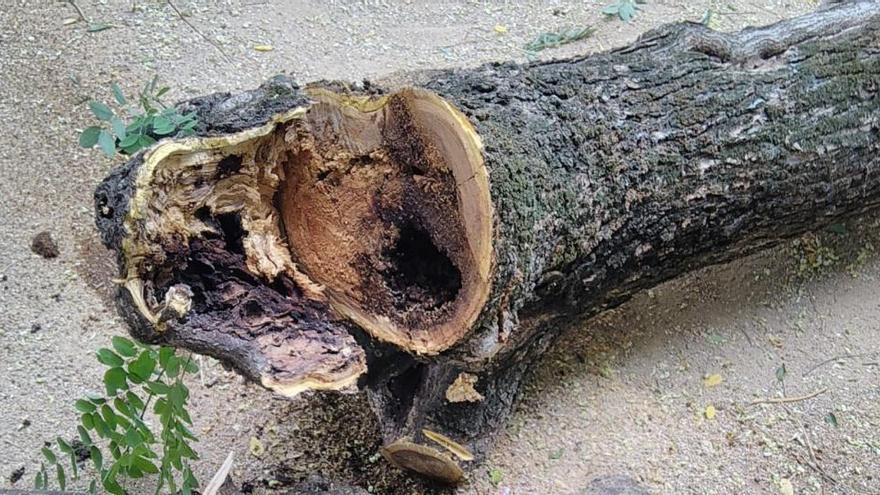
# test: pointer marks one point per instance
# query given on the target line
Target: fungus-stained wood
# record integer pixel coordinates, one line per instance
(426, 243)
(429, 462)
(386, 204)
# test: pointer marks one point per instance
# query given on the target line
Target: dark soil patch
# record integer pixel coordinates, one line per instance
(336, 437)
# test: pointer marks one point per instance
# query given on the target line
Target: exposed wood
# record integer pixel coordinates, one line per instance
(374, 183)
(428, 243)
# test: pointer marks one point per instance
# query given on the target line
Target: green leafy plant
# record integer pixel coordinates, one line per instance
(553, 40)
(138, 377)
(623, 9)
(149, 121)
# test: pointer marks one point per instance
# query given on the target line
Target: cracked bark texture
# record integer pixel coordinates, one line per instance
(609, 174)
(614, 172)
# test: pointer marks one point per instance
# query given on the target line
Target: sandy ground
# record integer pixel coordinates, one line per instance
(624, 394)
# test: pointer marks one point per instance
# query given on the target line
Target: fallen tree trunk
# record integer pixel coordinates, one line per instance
(427, 243)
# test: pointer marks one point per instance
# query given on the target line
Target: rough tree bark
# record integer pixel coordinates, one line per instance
(427, 243)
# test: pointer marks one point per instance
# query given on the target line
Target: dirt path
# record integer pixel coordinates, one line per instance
(624, 394)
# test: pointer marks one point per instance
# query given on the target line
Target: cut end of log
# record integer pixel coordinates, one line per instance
(369, 209)
(386, 204)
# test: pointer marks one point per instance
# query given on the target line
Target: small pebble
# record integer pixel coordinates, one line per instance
(44, 245)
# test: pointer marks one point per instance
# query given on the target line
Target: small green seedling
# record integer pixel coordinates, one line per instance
(623, 9)
(495, 476)
(148, 122)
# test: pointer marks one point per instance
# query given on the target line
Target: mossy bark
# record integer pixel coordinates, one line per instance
(609, 174)
(614, 172)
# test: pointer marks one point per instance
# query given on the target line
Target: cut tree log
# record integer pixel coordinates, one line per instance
(426, 243)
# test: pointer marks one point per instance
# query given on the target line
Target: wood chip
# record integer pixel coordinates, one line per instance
(463, 389)
(449, 444)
